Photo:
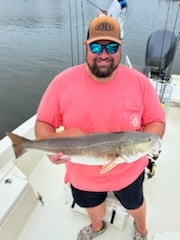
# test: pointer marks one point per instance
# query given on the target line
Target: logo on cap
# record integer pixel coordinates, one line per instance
(104, 27)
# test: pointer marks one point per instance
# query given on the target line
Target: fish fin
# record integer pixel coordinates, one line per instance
(17, 143)
(108, 167)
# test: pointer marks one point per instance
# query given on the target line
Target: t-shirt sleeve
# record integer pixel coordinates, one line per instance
(49, 108)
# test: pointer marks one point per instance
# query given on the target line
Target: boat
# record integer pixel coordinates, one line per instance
(36, 204)
(114, 10)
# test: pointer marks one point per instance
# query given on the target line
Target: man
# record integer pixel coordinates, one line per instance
(102, 95)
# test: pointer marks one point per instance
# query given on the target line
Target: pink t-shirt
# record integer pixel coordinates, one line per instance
(128, 102)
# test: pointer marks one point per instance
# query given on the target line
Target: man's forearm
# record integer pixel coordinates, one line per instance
(44, 130)
(157, 128)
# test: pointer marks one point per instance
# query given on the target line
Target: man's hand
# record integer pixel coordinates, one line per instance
(46, 131)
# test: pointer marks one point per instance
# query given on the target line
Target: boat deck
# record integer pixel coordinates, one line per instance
(23, 217)
(55, 220)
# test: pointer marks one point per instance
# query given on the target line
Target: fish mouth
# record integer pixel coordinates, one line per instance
(156, 146)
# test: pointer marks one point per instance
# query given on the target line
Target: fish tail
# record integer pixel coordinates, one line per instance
(17, 143)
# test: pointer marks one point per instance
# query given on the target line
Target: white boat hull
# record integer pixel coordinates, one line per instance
(22, 215)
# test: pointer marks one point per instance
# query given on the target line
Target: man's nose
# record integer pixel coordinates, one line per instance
(104, 52)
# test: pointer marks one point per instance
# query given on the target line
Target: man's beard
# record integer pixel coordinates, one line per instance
(102, 73)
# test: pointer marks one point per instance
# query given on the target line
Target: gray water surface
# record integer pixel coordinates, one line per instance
(40, 38)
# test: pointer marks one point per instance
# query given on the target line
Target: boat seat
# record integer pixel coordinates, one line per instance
(16, 195)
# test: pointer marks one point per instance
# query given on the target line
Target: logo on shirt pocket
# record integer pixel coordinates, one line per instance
(135, 121)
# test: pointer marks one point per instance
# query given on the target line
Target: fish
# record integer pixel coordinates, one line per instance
(106, 149)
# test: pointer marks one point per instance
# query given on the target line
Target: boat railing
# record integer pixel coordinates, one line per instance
(17, 195)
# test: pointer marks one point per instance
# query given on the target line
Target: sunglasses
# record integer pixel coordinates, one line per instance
(110, 48)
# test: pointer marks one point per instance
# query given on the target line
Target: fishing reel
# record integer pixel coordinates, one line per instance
(151, 167)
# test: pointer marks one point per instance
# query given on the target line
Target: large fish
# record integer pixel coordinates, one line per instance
(106, 149)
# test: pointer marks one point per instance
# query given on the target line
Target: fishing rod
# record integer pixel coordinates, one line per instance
(96, 6)
(172, 39)
(176, 19)
(77, 32)
(177, 37)
(164, 37)
(83, 28)
(71, 35)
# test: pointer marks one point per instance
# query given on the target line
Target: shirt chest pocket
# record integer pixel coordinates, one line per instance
(132, 115)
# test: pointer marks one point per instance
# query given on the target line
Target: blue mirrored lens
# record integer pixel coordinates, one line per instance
(97, 48)
(112, 48)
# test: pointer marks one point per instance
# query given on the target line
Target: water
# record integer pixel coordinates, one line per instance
(40, 38)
